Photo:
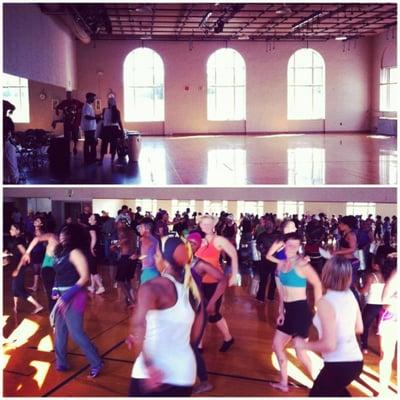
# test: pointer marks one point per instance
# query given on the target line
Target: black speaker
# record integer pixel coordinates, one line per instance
(59, 156)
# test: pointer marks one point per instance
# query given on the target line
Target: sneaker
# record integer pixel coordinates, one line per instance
(115, 285)
(91, 289)
(226, 345)
(100, 290)
(202, 387)
(94, 372)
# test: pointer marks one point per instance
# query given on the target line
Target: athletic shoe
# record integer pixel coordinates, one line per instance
(91, 289)
(94, 372)
(202, 387)
(100, 290)
(226, 345)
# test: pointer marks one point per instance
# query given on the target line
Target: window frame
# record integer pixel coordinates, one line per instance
(130, 62)
(214, 70)
(21, 115)
(283, 205)
(385, 85)
(354, 208)
(292, 114)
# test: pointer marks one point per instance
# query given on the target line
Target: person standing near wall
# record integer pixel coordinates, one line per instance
(11, 172)
(112, 126)
(88, 126)
(71, 118)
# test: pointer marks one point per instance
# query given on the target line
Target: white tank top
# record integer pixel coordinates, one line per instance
(167, 341)
(345, 306)
(375, 292)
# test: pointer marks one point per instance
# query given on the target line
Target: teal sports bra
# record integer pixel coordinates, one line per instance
(292, 279)
(48, 261)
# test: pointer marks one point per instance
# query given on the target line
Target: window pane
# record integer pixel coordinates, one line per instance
(318, 102)
(393, 97)
(385, 75)
(225, 76)
(16, 91)
(226, 79)
(291, 76)
(393, 75)
(303, 76)
(240, 76)
(143, 76)
(318, 76)
(303, 58)
(303, 99)
(144, 86)
(383, 95)
(225, 102)
(240, 103)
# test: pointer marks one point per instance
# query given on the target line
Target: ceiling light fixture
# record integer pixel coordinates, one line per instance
(341, 38)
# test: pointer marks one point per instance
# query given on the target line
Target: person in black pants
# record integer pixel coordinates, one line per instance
(265, 267)
(47, 270)
(88, 125)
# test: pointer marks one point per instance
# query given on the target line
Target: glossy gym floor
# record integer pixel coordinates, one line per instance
(294, 159)
(245, 370)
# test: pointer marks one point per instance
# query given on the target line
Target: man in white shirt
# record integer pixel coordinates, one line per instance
(88, 126)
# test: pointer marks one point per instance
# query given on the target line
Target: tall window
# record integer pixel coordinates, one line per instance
(388, 167)
(16, 91)
(250, 207)
(182, 205)
(226, 86)
(289, 208)
(143, 86)
(388, 89)
(214, 207)
(306, 85)
(363, 209)
(147, 205)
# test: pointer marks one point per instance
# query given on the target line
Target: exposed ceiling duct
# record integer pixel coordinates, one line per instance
(86, 21)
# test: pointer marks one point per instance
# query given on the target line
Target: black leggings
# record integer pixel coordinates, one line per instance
(208, 290)
(48, 275)
(136, 390)
(18, 284)
(334, 377)
(370, 312)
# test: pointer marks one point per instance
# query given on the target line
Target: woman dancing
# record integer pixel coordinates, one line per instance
(338, 320)
(164, 326)
(72, 274)
(295, 316)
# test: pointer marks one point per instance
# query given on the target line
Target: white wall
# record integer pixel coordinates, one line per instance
(347, 90)
(37, 47)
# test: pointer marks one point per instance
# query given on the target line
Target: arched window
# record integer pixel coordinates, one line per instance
(306, 85)
(143, 86)
(226, 86)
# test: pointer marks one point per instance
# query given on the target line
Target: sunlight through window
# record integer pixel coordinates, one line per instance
(22, 333)
(143, 86)
(226, 86)
(290, 208)
(46, 344)
(364, 209)
(42, 368)
(306, 85)
(16, 91)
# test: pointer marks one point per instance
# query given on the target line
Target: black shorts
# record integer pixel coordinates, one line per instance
(209, 289)
(298, 319)
(92, 261)
(125, 269)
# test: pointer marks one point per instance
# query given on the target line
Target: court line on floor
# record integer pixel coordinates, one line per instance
(73, 376)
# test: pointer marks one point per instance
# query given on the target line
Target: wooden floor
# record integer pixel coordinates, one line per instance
(28, 361)
(295, 159)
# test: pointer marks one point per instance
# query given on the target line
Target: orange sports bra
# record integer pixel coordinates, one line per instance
(210, 254)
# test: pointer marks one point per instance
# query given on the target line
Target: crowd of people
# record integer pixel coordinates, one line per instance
(173, 272)
(76, 117)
